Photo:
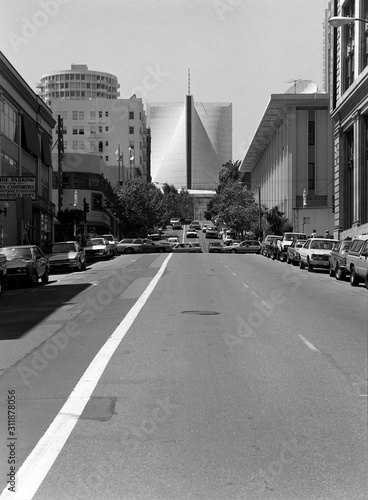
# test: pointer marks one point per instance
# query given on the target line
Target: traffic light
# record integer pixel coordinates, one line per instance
(85, 206)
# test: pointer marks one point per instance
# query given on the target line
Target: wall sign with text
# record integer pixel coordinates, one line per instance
(14, 187)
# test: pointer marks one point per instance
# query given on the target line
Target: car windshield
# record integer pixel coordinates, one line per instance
(95, 241)
(17, 253)
(322, 245)
(62, 247)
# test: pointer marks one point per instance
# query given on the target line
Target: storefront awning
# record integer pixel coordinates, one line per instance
(30, 135)
(45, 151)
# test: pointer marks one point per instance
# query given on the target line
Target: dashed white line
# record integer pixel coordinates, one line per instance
(308, 344)
(246, 286)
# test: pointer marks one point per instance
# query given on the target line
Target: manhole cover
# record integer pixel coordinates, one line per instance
(202, 313)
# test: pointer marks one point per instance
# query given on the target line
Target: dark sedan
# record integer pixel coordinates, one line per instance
(337, 259)
(26, 264)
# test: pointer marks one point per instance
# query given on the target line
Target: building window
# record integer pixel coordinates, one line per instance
(81, 130)
(75, 145)
(75, 131)
(81, 145)
(106, 113)
(311, 150)
(131, 144)
(106, 158)
(106, 129)
(65, 143)
(349, 45)
(81, 115)
(131, 115)
(106, 143)
(131, 130)
(75, 115)
(9, 119)
(92, 115)
(100, 130)
(100, 114)
(100, 147)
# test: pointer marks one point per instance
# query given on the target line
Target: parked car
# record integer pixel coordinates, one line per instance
(246, 246)
(191, 233)
(212, 232)
(337, 259)
(204, 228)
(176, 225)
(268, 243)
(215, 247)
(286, 240)
(229, 242)
(196, 224)
(357, 261)
(186, 248)
(3, 269)
(27, 264)
(293, 256)
(316, 253)
(97, 248)
(130, 245)
(174, 220)
(66, 255)
(173, 240)
(112, 242)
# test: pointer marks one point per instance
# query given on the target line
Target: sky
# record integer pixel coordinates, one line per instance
(238, 51)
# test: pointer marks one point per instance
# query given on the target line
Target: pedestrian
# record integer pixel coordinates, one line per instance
(314, 234)
(327, 234)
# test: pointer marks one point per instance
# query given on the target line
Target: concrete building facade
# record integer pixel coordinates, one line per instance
(26, 125)
(291, 156)
(348, 53)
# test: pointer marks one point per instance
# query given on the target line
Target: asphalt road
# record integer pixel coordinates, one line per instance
(238, 377)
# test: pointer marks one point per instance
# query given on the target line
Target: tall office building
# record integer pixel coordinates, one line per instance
(78, 83)
(190, 142)
(96, 122)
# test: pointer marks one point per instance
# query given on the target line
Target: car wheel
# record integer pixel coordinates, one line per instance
(354, 280)
(339, 274)
(128, 250)
(79, 266)
(232, 251)
(332, 272)
(366, 282)
(288, 260)
(45, 277)
(161, 250)
(33, 279)
(301, 264)
(84, 265)
(310, 267)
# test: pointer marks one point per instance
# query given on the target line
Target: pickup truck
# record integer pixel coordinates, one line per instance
(3, 269)
(357, 261)
(287, 239)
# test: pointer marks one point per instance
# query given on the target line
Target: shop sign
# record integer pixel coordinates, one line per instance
(15, 187)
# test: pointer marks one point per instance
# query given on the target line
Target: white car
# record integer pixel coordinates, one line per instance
(174, 220)
(191, 233)
(316, 253)
(173, 240)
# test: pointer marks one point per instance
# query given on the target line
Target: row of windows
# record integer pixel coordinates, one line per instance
(77, 93)
(79, 115)
(93, 131)
(77, 76)
(77, 85)
(8, 123)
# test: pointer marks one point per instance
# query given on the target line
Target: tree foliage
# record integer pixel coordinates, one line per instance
(176, 203)
(276, 221)
(139, 207)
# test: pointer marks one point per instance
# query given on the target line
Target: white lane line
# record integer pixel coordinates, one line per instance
(39, 462)
(254, 294)
(308, 344)
(233, 274)
(246, 286)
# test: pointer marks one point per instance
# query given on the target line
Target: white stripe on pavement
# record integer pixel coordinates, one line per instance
(39, 462)
(308, 344)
